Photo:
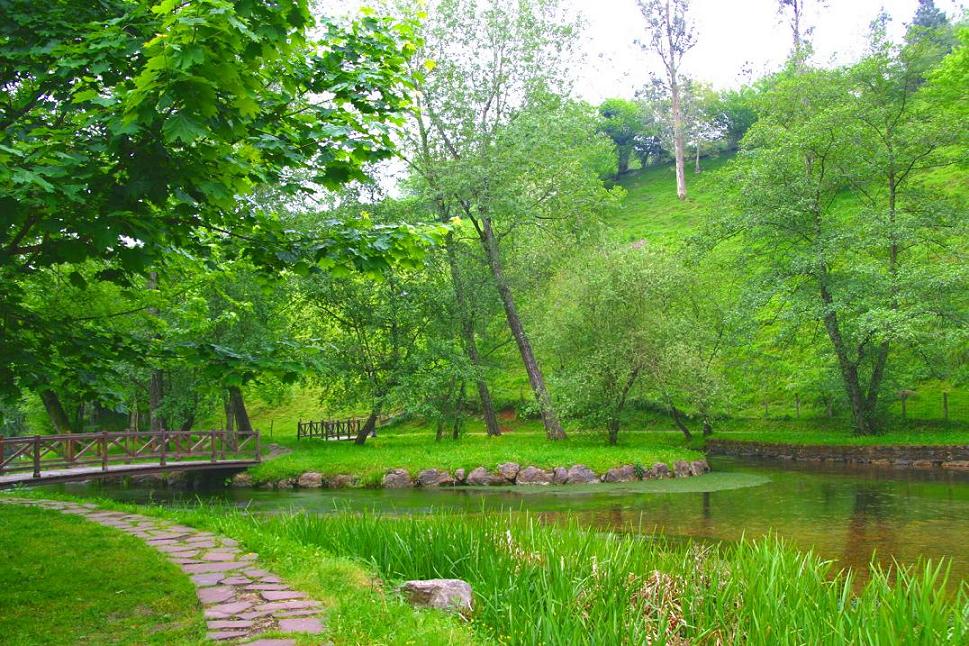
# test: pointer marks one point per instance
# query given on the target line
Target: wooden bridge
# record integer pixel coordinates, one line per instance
(44, 459)
(333, 429)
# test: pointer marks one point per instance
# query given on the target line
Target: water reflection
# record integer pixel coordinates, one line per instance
(843, 513)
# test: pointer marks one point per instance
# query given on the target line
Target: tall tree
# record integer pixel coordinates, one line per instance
(670, 36)
(497, 147)
(834, 204)
(132, 129)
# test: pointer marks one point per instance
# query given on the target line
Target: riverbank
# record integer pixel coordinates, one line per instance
(405, 451)
(955, 457)
(561, 584)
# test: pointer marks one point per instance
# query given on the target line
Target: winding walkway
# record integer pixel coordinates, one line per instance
(241, 601)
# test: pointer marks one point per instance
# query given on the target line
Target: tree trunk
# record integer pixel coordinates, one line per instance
(680, 423)
(156, 382)
(707, 427)
(55, 410)
(553, 429)
(470, 343)
(230, 418)
(367, 427)
(622, 166)
(188, 423)
(613, 427)
(849, 369)
(678, 146)
(243, 425)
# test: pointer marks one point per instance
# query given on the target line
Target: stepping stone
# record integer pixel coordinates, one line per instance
(216, 594)
(225, 566)
(236, 580)
(228, 609)
(207, 579)
(175, 548)
(255, 572)
(255, 614)
(228, 623)
(299, 613)
(216, 555)
(312, 626)
(225, 634)
(287, 605)
(270, 579)
(200, 543)
(267, 586)
(272, 642)
(281, 595)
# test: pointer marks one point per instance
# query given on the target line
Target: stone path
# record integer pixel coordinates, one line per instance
(241, 600)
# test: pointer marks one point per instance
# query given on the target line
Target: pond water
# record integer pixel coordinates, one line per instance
(843, 513)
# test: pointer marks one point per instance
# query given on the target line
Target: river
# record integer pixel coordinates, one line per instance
(844, 513)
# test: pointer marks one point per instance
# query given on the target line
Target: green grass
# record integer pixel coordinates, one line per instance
(837, 433)
(65, 580)
(651, 209)
(562, 584)
(411, 446)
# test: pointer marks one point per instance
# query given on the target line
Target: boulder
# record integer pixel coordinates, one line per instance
(288, 483)
(459, 476)
(452, 595)
(310, 480)
(341, 481)
(483, 477)
(699, 467)
(581, 474)
(659, 471)
(509, 471)
(397, 479)
(242, 479)
(533, 476)
(560, 475)
(434, 478)
(682, 469)
(625, 473)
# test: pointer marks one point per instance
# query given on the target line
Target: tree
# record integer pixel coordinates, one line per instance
(129, 130)
(627, 322)
(623, 123)
(833, 207)
(498, 147)
(671, 36)
(929, 16)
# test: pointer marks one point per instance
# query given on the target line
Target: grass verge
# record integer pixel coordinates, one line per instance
(65, 580)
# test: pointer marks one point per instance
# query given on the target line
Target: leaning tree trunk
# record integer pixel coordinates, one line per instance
(553, 429)
(243, 425)
(470, 344)
(613, 428)
(55, 410)
(368, 427)
(680, 423)
(696, 167)
(678, 145)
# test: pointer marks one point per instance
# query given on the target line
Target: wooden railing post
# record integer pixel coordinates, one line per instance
(36, 456)
(2, 455)
(104, 450)
(164, 447)
(212, 442)
(258, 458)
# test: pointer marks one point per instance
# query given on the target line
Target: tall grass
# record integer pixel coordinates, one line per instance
(537, 584)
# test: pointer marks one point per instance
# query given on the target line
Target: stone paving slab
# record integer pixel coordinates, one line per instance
(240, 602)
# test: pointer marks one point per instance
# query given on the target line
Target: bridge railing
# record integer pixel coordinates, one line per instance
(333, 429)
(39, 453)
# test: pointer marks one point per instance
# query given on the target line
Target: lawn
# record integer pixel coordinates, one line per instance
(65, 580)
(411, 446)
(838, 433)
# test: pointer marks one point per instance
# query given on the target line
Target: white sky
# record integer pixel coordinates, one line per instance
(731, 34)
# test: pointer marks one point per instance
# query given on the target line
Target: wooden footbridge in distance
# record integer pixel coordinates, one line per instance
(46, 459)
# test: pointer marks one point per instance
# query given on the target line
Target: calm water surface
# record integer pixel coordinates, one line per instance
(843, 513)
